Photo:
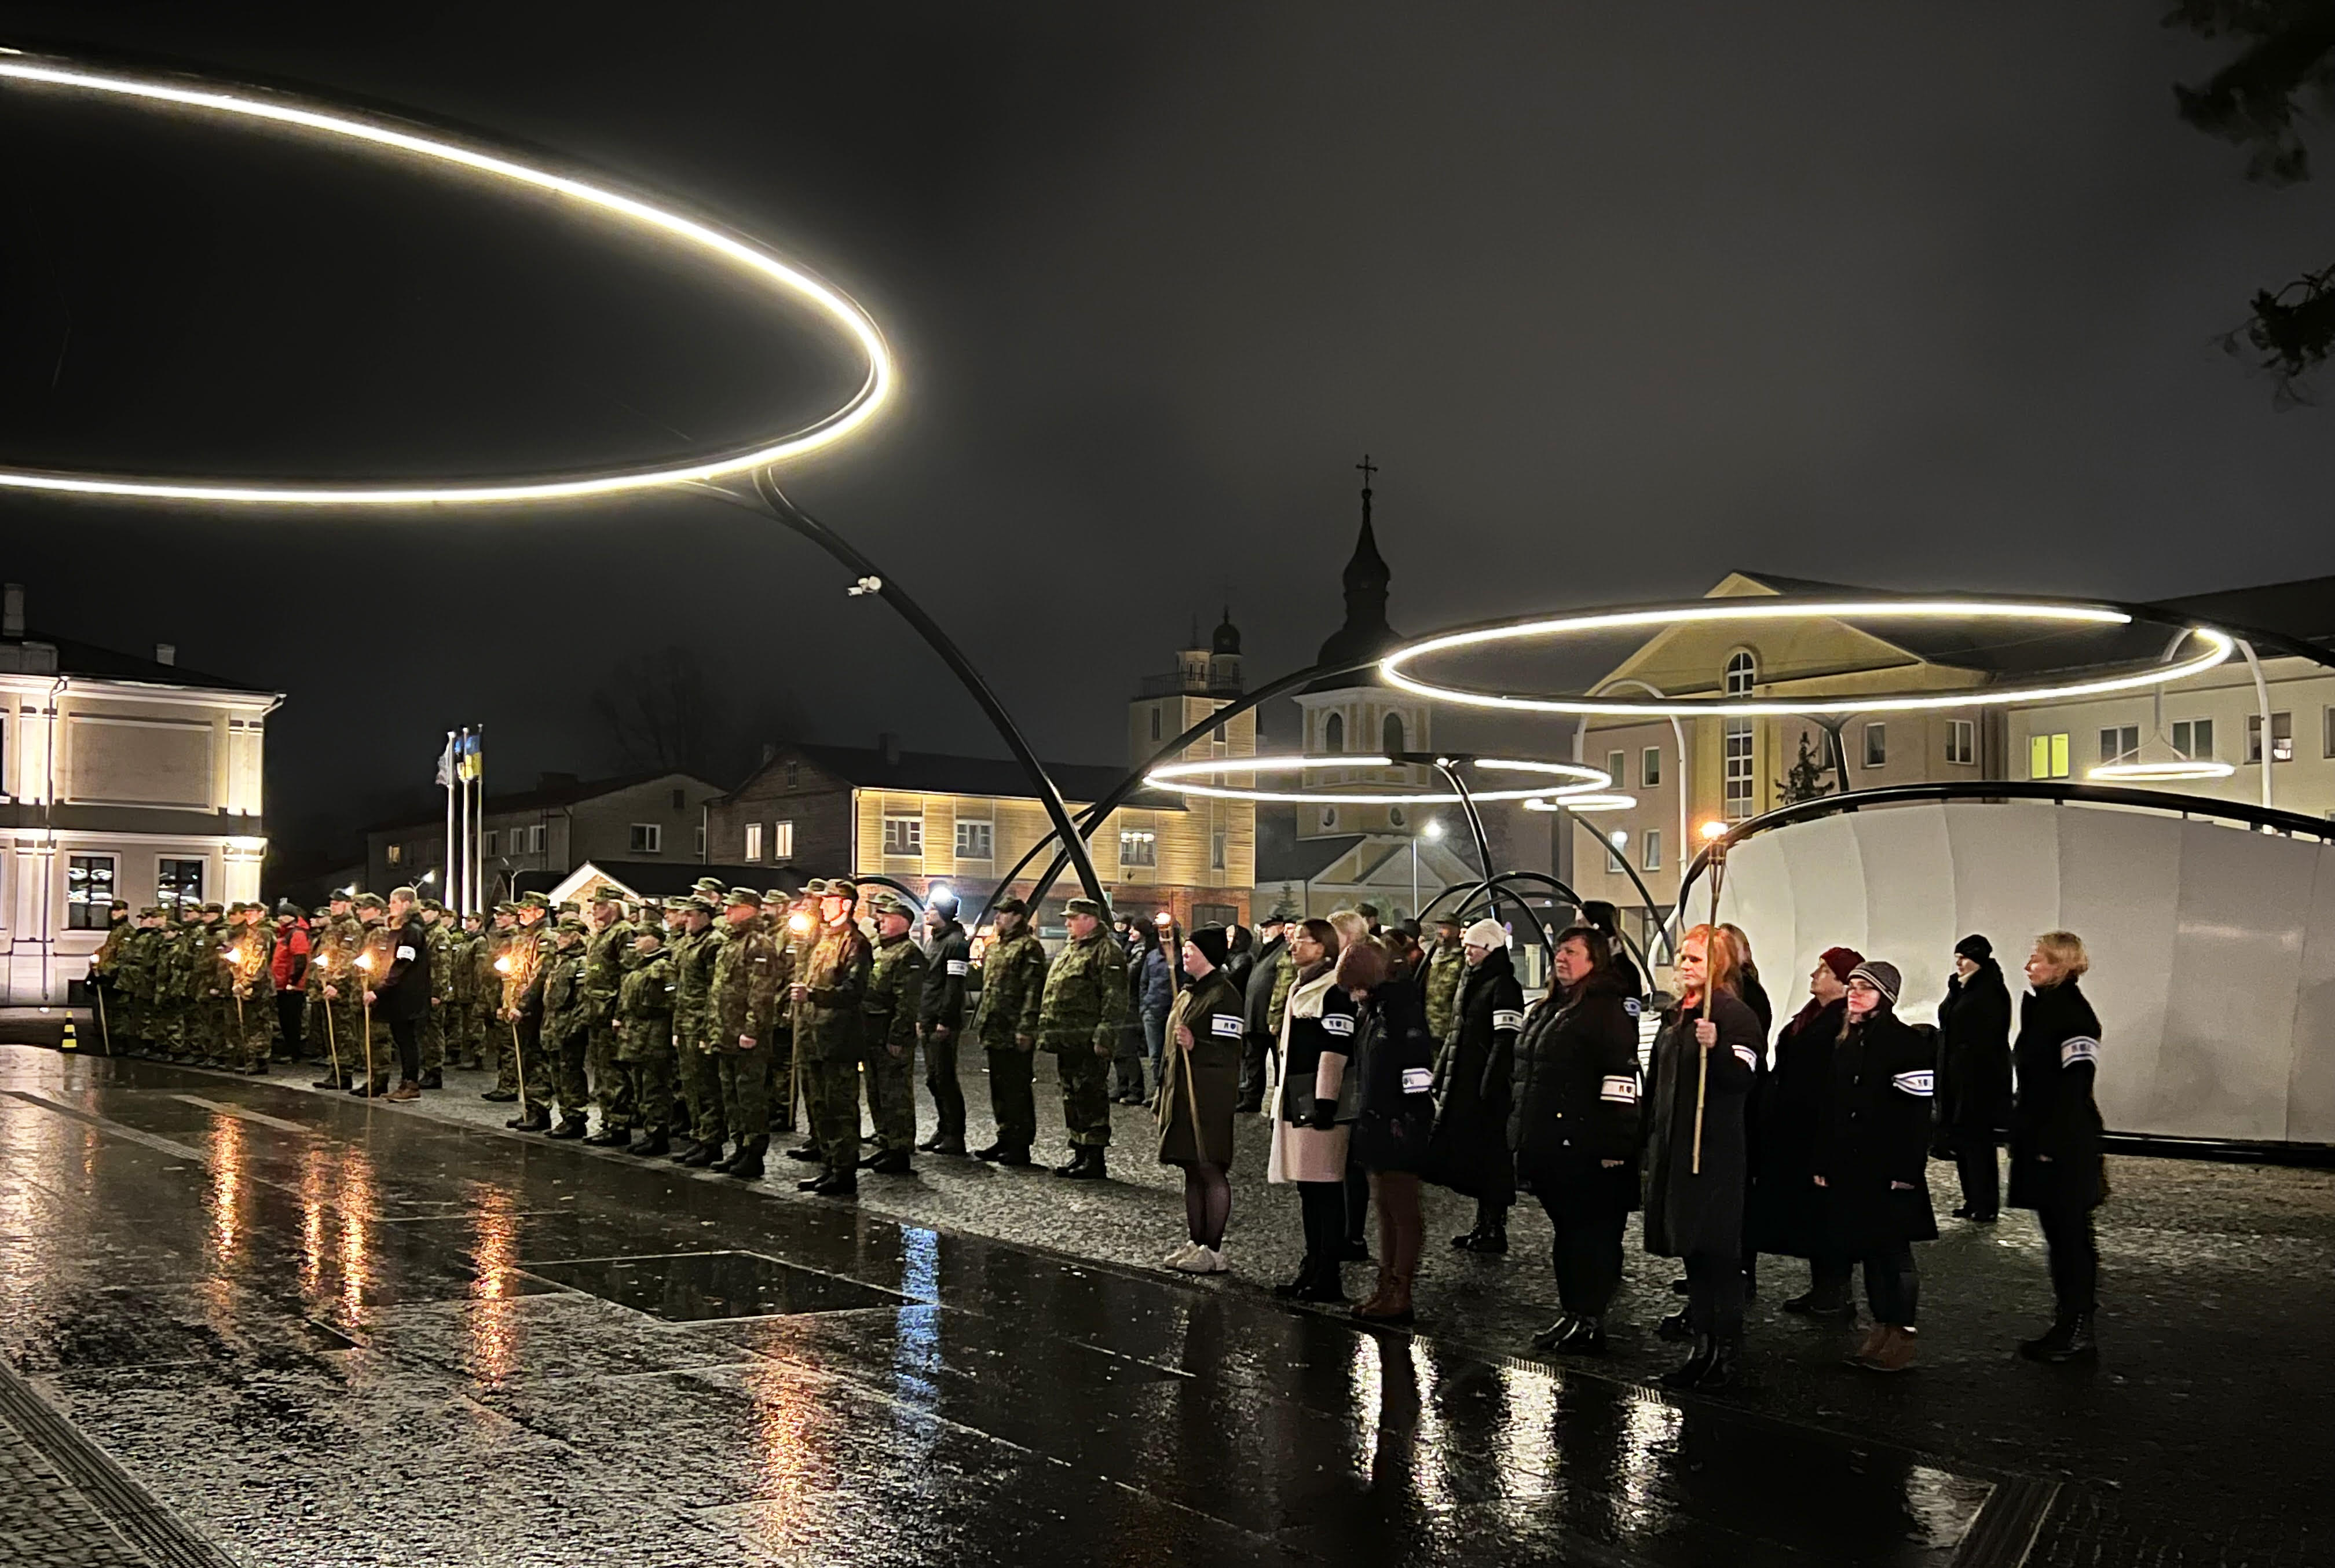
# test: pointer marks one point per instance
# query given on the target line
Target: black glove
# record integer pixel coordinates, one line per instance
(1324, 1115)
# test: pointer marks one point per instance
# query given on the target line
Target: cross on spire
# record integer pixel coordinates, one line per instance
(1367, 469)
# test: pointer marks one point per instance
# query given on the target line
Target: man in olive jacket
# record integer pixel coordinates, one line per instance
(830, 995)
(1078, 1019)
(1013, 985)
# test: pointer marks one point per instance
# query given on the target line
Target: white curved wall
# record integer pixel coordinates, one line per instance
(2213, 948)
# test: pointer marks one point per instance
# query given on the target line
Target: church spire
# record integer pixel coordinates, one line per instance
(1365, 634)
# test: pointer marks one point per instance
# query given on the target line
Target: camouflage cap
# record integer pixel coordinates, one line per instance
(816, 887)
(657, 903)
(340, 895)
(371, 901)
(885, 901)
(568, 925)
(152, 911)
(570, 906)
(505, 906)
(212, 906)
(532, 901)
(743, 895)
(699, 906)
(118, 904)
(1084, 906)
(436, 905)
(841, 887)
(709, 885)
(609, 894)
(1009, 907)
(776, 896)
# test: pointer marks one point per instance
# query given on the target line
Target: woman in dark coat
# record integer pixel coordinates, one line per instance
(1393, 1115)
(1754, 997)
(1695, 1187)
(1470, 1151)
(1198, 1094)
(1975, 1074)
(1872, 1156)
(1574, 1131)
(1791, 1102)
(2056, 1164)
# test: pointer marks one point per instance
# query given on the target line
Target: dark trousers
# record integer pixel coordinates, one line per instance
(941, 1079)
(407, 1033)
(1253, 1069)
(291, 1009)
(1356, 1205)
(2075, 1257)
(1588, 1223)
(1011, 1100)
(1828, 1276)
(1323, 1207)
(1892, 1288)
(1982, 1177)
(1714, 1295)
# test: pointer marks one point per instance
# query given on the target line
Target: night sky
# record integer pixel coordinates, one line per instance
(1617, 298)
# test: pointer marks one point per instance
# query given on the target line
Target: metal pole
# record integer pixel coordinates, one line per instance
(2262, 699)
(446, 846)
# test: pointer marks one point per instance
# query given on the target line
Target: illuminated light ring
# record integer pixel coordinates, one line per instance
(1615, 802)
(2219, 646)
(1174, 776)
(787, 281)
(2185, 768)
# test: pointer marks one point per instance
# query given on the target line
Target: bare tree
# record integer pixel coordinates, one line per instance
(662, 714)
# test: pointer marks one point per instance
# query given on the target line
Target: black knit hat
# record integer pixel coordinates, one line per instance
(1214, 942)
(1975, 948)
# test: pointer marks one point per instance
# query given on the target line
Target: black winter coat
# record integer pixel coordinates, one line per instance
(1258, 999)
(947, 962)
(403, 993)
(1792, 1101)
(1393, 1066)
(1309, 1038)
(1687, 1213)
(2056, 1158)
(1974, 1052)
(1877, 1132)
(1575, 1099)
(1472, 1084)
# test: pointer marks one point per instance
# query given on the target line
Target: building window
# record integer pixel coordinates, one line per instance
(1742, 670)
(904, 835)
(2119, 744)
(1876, 745)
(1742, 673)
(1652, 860)
(1219, 736)
(1390, 734)
(2047, 756)
(494, 842)
(1155, 724)
(1216, 850)
(2193, 738)
(89, 890)
(534, 838)
(679, 800)
(648, 838)
(1328, 815)
(1962, 741)
(2282, 738)
(1333, 734)
(1614, 845)
(782, 840)
(1617, 767)
(1136, 848)
(794, 774)
(698, 840)
(753, 842)
(975, 840)
(179, 882)
(1395, 816)
(1649, 767)
(394, 855)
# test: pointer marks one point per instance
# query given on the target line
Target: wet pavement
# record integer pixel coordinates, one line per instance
(247, 1322)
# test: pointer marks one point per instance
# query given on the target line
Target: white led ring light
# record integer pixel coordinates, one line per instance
(1176, 776)
(1582, 803)
(782, 278)
(2218, 646)
(2171, 769)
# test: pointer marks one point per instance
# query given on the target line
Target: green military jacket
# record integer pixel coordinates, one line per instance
(896, 987)
(693, 954)
(1284, 976)
(604, 953)
(203, 974)
(253, 973)
(745, 1000)
(831, 1025)
(107, 960)
(645, 998)
(565, 1010)
(1012, 983)
(1446, 968)
(1085, 999)
(137, 975)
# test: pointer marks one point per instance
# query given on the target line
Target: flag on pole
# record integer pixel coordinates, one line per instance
(471, 763)
(446, 763)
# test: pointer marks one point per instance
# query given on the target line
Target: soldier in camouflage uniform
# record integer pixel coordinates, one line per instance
(804, 926)
(463, 1037)
(747, 976)
(133, 982)
(896, 986)
(1078, 1021)
(829, 999)
(248, 965)
(644, 1032)
(607, 944)
(694, 958)
(492, 962)
(376, 949)
(432, 1035)
(777, 919)
(1447, 966)
(333, 969)
(1012, 984)
(105, 973)
(210, 1010)
(526, 955)
(566, 1024)
(171, 984)
(940, 1019)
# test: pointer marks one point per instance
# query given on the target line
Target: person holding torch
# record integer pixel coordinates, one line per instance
(399, 992)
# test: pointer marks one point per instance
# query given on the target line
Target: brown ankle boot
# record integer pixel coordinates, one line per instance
(1364, 1308)
(1869, 1345)
(1894, 1353)
(1392, 1307)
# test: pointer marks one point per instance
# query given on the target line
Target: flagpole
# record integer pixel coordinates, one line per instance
(462, 783)
(446, 846)
(478, 813)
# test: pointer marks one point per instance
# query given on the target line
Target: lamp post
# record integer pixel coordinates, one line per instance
(1432, 831)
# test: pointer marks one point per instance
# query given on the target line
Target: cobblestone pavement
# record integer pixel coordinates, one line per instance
(2196, 1439)
(45, 1522)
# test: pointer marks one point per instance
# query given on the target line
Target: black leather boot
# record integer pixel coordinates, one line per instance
(891, 1162)
(652, 1141)
(609, 1137)
(726, 1161)
(837, 1184)
(2068, 1337)
(1674, 1329)
(1697, 1366)
(1586, 1337)
(748, 1165)
(698, 1156)
(570, 1127)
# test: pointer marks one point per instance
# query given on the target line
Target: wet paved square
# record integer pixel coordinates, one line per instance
(693, 1287)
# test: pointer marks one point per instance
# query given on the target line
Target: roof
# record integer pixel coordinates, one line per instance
(2303, 609)
(2007, 649)
(943, 773)
(92, 662)
(1364, 633)
(663, 879)
(552, 791)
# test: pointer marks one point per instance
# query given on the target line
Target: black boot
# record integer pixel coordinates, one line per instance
(1821, 1305)
(1490, 1238)
(1085, 1166)
(810, 1183)
(1696, 1368)
(891, 1162)
(2068, 1337)
(1682, 1286)
(338, 1081)
(1295, 1290)
(1467, 1244)
(697, 1155)
(724, 1162)
(953, 1143)
(1586, 1337)
(837, 1184)
(570, 1127)
(653, 1141)
(433, 1077)
(809, 1153)
(1549, 1338)
(500, 1095)
(534, 1119)
(1674, 1329)
(609, 1137)
(931, 1143)
(748, 1165)
(1722, 1369)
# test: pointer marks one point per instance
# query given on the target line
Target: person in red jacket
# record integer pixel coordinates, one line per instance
(290, 970)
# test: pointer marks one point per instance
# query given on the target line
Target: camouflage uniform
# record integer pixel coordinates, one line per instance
(605, 952)
(335, 967)
(251, 987)
(203, 983)
(432, 1034)
(566, 1026)
(1013, 983)
(376, 951)
(1078, 1019)
(134, 979)
(105, 974)
(1447, 966)
(693, 957)
(830, 1035)
(524, 957)
(744, 1004)
(645, 1039)
(896, 985)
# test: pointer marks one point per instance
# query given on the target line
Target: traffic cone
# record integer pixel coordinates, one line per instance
(71, 1042)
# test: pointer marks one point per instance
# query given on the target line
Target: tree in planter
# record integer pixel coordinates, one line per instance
(1806, 780)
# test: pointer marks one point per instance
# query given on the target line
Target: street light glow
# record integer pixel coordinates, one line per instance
(690, 238)
(1583, 803)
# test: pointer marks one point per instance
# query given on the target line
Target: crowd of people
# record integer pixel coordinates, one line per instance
(698, 1026)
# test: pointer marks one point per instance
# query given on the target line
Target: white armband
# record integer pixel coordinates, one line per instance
(1507, 1018)
(1621, 1089)
(1749, 1057)
(1226, 1023)
(405, 956)
(1921, 1083)
(1337, 1023)
(956, 966)
(2078, 1047)
(1418, 1079)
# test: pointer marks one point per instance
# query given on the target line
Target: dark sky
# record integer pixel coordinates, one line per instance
(1617, 296)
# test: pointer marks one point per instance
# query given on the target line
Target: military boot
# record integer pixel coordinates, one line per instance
(338, 1081)
(532, 1118)
(891, 1162)
(571, 1125)
(652, 1141)
(1691, 1373)
(609, 1138)
(748, 1165)
(433, 1077)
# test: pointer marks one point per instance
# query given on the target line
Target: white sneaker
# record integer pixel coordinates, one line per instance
(1216, 1265)
(1181, 1256)
(1202, 1260)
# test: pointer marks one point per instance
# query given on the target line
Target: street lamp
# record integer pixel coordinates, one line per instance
(1432, 831)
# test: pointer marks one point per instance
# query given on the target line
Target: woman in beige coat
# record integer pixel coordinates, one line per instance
(1309, 1142)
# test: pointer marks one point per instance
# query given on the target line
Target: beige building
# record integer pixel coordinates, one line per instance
(124, 777)
(531, 838)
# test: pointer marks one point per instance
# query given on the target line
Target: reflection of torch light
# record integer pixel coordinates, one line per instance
(798, 923)
(502, 964)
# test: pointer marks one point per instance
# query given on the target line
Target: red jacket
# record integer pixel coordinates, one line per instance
(291, 964)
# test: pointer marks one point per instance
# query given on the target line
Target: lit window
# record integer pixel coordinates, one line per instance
(2047, 756)
(1962, 741)
(394, 855)
(1136, 848)
(2282, 738)
(1613, 847)
(179, 882)
(2119, 744)
(904, 835)
(2193, 738)
(753, 842)
(648, 838)
(1876, 745)
(1649, 769)
(782, 840)
(89, 890)
(1334, 734)
(1652, 860)
(975, 840)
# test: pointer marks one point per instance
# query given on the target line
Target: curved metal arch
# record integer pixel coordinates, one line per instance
(902, 888)
(1637, 954)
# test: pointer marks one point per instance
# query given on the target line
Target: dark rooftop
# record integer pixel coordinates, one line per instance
(941, 773)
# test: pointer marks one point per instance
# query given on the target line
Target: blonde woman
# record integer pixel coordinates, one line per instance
(2057, 1166)
(1308, 1144)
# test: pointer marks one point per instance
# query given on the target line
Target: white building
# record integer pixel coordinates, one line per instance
(122, 777)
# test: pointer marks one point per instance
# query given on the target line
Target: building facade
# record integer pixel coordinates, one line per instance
(123, 778)
(546, 832)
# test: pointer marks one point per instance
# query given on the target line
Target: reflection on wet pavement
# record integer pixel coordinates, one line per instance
(323, 1334)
